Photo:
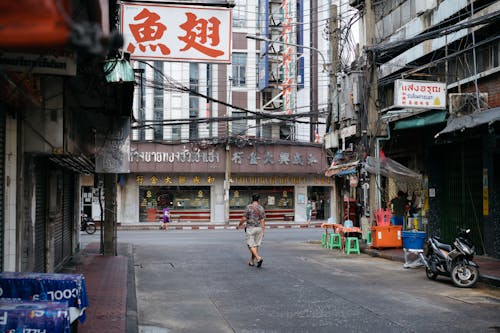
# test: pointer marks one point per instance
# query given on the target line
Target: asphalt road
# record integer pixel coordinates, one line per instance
(199, 281)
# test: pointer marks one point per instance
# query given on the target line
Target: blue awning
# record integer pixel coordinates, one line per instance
(347, 172)
(342, 169)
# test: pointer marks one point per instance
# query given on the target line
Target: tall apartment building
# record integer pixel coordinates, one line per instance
(207, 136)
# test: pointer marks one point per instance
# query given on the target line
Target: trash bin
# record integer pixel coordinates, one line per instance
(414, 239)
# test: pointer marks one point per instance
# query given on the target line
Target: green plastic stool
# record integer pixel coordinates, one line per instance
(369, 238)
(335, 241)
(323, 240)
(352, 245)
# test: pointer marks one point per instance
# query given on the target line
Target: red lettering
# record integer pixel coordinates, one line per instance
(148, 30)
(198, 32)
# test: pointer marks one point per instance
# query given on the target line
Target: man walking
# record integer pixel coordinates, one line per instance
(254, 216)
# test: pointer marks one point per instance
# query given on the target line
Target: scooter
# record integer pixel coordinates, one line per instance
(454, 260)
(87, 224)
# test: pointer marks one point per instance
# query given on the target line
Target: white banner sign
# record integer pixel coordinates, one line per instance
(177, 33)
(420, 94)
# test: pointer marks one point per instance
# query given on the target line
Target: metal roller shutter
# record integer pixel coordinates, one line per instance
(2, 171)
(40, 216)
(462, 196)
(68, 213)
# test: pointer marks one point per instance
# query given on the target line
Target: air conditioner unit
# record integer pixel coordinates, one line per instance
(466, 103)
(331, 140)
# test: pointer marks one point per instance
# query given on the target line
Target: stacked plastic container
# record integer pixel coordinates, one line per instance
(384, 234)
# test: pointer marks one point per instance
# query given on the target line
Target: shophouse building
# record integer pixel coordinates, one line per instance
(437, 113)
(53, 99)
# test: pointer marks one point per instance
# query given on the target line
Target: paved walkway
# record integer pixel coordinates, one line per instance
(113, 310)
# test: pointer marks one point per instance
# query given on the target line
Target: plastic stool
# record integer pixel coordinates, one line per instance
(352, 245)
(323, 240)
(335, 241)
(369, 237)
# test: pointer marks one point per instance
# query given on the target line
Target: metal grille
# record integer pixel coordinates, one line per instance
(40, 216)
(462, 197)
(68, 213)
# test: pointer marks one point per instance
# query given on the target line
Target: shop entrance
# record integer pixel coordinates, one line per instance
(186, 203)
(320, 197)
(278, 201)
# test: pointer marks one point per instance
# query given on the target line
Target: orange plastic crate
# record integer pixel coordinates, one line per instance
(387, 236)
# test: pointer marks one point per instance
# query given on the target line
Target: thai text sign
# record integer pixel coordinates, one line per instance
(420, 94)
(177, 33)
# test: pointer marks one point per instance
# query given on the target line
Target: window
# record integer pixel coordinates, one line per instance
(239, 123)
(194, 103)
(141, 98)
(267, 131)
(158, 101)
(239, 61)
(152, 200)
(240, 14)
(176, 132)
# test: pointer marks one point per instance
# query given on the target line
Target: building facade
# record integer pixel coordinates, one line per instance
(208, 135)
(53, 96)
(190, 183)
(436, 73)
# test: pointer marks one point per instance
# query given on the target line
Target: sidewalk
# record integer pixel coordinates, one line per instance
(113, 310)
(489, 268)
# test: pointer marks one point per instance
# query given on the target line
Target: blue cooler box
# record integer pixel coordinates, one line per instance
(414, 239)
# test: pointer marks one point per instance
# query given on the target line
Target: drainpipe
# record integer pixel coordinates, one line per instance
(377, 159)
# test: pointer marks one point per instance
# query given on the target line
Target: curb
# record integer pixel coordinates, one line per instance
(173, 226)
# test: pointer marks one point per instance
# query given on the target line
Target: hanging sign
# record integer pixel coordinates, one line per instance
(176, 33)
(419, 94)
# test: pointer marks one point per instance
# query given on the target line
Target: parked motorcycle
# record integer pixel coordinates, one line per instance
(87, 224)
(454, 260)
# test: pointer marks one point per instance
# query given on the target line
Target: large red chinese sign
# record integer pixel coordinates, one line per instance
(177, 33)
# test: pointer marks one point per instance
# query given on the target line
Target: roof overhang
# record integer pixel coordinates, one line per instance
(464, 122)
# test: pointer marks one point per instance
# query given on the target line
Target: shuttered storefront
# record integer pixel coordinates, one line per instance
(40, 215)
(2, 177)
(68, 213)
(63, 224)
(461, 194)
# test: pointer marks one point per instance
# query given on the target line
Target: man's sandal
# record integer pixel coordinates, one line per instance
(259, 262)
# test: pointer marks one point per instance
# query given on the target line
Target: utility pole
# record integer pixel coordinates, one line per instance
(371, 106)
(332, 102)
(109, 225)
(334, 50)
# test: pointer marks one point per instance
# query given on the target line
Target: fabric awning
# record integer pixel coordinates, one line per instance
(421, 120)
(390, 168)
(342, 169)
(471, 120)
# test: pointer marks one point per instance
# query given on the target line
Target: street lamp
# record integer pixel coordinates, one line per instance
(263, 39)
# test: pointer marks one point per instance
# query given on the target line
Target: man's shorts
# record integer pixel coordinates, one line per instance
(254, 236)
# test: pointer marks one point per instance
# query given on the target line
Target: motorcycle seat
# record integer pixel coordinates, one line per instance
(444, 246)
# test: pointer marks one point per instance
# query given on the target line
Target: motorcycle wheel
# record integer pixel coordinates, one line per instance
(430, 274)
(464, 275)
(90, 229)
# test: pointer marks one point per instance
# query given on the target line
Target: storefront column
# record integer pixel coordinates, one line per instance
(300, 203)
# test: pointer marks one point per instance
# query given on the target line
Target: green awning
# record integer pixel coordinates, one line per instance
(421, 120)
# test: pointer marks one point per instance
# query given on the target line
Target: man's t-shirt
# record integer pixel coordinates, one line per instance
(254, 213)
